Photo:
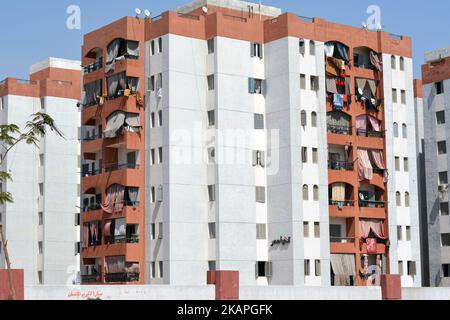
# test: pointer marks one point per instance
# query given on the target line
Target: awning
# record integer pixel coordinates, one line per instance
(133, 48)
(114, 124)
(111, 55)
(133, 120)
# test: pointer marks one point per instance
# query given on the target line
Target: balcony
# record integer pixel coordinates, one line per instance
(115, 167)
(372, 204)
(91, 279)
(343, 130)
(97, 65)
(122, 277)
(342, 244)
(369, 133)
(340, 165)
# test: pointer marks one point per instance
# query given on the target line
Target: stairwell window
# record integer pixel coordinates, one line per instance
(210, 79)
(318, 268)
(408, 233)
(151, 83)
(439, 87)
(393, 62)
(161, 269)
(256, 86)
(211, 118)
(303, 118)
(40, 247)
(405, 164)
(443, 178)
(307, 266)
(399, 233)
(263, 269)
(411, 268)
(160, 45)
(404, 131)
(160, 231)
(314, 119)
(407, 204)
(312, 48)
(314, 83)
(442, 147)
(401, 271)
(444, 209)
(446, 270)
(306, 229)
(395, 130)
(41, 218)
(259, 158)
(153, 231)
(398, 199)
(397, 164)
(445, 239)
(316, 229)
(316, 193)
(152, 195)
(315, 155)
(152, 157)
(301, 45)
(261, 231)
(152, 120)
(304, 154)
(212, 193)
(160, 118)
(256, 50)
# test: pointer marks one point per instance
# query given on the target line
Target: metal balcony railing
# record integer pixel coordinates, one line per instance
(372, 204)
(92, 278)
(340, 165)
(339, 129)
(370, 133)
(115, 167)
(121, 277)
(93, 67)
(344, 203)
(342, 239)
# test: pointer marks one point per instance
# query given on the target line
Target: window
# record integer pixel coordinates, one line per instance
(444, 208)
(407, 199)
(316, 229)
(304, 154)
(41, 218)
(160, 155)
(212, 193)
(151, 83)
(402, 64)
(212, 118)
(394, 95)
(256, 86)
(440, 117)
(307, 267)
(314, 120)
(315, 156)
(316, 193)
(397, 164)
(335, 232)
(210, 82)
(261, 231)
(404, 131)
(152, 120)
(159, 194)
(212, 230)
(77, 248)
(41, 189)
(446, 270)
(160, 230)
(306, 229)
(318, 268)
(40, 247)
(256, 50)
(408, 233)
(395, 129)
(398, 198)
(153, 232)
(259, 158)
(152, 157)
(400, 268)
(42, 103)
(301, 45)
(303, 81)
(406, 164)
(399, 233)
(160, 45)
(259, 121)
(152, 47)
(411, 268)
(211, 265)
(393, 62)
(160, 118)
(442, 147)
(403, 96)
(211, 155)
(439, 87)
(211, 46)
(152, 195)
(263, 269)
(41, 160)
(443, 179)
(303, 120)
(305, 193)
(314, 83)
(77, 219)
(312, 48)
(161, 269)
(261, 194)
(445, 239)
(2, 104)
(40, 277)
(153, 270)
(159, 82)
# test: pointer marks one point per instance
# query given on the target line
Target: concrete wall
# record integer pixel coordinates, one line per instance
(426, 293)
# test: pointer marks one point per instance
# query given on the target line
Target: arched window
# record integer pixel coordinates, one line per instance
(402, 63)
(398, 197)
(303, 118)
(395, 129)
(314, 119)
(393, 62)
(404, 131)
(316, 193)
(312, 48)
(305, 192)
(407, 199)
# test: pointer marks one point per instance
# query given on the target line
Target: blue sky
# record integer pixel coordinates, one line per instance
(33, 30)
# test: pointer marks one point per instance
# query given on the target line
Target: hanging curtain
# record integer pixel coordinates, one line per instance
(94, 232)
(344, 266)
(338, 192)
(365, 169)
(115, 264)
(329, 50)
(374, 225)
(120, 228)
(108, 228)
(334, 67)
(361, 125)
(111, 55)
(342, 51)
(372, 246)
(133, 268)
(133, 120)
(373, 87)
(375, 60)
(133, 48)
(114, 124)
(378, 159)
(114, 199)
(85, 236)
(375, 123)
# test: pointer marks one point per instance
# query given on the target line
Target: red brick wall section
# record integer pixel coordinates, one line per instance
(391, 287)
(18, 276)
(227, 285)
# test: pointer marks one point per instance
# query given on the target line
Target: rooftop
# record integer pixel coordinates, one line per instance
(231, 4)
(437, 55)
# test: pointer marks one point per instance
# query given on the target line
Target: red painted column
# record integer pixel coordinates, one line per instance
(227, 285)
(18, 281)
(391, 287)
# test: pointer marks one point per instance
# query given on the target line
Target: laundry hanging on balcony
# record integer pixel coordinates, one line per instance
(132, 268)
(378, 159)
(335, 67)
(108, 229)
(367, 92)
(93, 228)
(116, 84)
(114, 199)
(365, 169)
(338, 101)
(344, 267)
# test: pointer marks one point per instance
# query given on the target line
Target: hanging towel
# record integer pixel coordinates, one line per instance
(338, 101)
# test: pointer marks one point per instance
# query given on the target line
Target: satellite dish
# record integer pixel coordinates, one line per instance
(205, 9)
(147, 13)
(138, 12)
(364, 25)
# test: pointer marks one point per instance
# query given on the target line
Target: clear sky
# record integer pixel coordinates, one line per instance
(33, 30)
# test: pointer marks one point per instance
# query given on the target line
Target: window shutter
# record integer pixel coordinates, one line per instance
(256, 270)
(159, 194)
(260, 51)
(302, 46)
(263, 87)
(251, 85)
(255, 158)
(252, 50)
(303, 118)
(269, 269)
(262, 159)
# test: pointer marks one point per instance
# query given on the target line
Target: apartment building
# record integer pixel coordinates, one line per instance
(436, 98)
(41, 225)
(276, 145)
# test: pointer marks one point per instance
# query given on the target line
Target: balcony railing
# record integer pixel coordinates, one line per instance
(92, 207)
(372, 204)
(93, 137)
(339, 130)
(344, 203)
(370, 133)
(126, 239)
(342, 240)
(121, 277)
(93, 278)
(340, 165)
(379, 171)
(115, 167)
(91, 172)
(93, 67)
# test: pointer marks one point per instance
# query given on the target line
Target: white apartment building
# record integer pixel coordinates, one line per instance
(41, 225)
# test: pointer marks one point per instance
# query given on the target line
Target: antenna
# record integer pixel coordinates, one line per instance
(205, 9)
(138, 12)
